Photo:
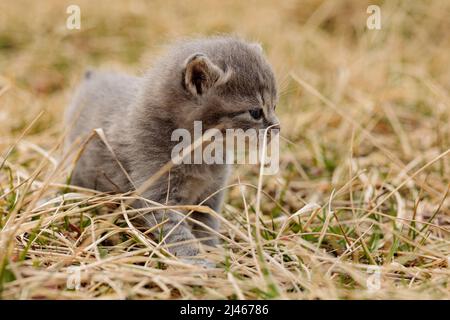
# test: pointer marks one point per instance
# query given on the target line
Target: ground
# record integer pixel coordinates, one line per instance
(359, 208)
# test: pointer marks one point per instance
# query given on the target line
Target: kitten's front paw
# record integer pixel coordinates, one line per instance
(184, 250)
(206, 238)
(207, 264)
(214, 242)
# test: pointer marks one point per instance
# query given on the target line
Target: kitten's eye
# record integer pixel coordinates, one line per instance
(256, 113)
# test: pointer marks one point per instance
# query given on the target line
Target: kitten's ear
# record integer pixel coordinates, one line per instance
(257, 46)
(200, 74)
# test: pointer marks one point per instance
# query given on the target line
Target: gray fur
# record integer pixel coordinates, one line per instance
(216, 80)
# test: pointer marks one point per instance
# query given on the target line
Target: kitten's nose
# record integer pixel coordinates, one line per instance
(273, 124)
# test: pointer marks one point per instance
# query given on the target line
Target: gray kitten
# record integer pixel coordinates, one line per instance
(223, 82)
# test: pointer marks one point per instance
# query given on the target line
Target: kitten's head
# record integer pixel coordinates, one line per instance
(224, 82)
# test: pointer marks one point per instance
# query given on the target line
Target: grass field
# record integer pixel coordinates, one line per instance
(359, 209)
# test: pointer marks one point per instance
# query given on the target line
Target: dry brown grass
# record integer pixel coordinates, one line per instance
(365, 167)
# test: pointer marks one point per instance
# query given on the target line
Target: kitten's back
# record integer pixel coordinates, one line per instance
(101, 98)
